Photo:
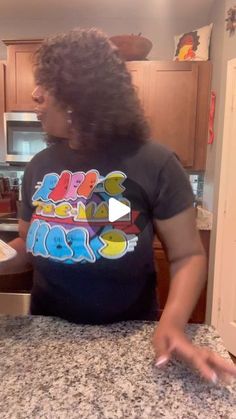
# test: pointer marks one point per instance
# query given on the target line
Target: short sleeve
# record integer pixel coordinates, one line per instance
(26, 205)
(173, 192)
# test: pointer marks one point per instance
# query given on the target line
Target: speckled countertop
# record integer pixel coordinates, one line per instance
(204, 219)
(52, 369)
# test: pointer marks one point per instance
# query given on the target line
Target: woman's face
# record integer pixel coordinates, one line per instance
(53, 117)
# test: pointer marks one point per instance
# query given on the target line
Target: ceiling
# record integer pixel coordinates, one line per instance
(106, 9)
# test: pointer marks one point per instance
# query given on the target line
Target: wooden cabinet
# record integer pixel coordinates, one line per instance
(2, 110)
(17, 282)
(163, 281)
(175, 97)
(19, 75)
(172, 106)
(139, 72)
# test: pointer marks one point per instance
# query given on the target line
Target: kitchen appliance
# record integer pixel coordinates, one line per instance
(24, 136)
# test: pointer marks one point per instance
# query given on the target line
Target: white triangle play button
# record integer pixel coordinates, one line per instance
(116, 210)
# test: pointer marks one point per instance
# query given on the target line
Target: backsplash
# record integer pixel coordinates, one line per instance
(17, 173)
(197, 183)
(10, 189)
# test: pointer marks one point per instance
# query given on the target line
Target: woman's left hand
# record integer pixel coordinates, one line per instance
(170, 340)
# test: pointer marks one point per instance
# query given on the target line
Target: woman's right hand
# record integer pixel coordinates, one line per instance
(169, 341)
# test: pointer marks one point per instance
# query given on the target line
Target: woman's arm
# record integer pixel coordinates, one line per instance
(187, 265)
(21, 261)
(188, 275)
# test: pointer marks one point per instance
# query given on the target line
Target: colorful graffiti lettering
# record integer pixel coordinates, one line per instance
(76, 200)
(56, 243)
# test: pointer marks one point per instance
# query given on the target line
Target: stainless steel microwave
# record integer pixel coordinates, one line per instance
(24, 136)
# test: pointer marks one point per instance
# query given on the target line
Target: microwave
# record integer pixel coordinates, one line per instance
(24, 136)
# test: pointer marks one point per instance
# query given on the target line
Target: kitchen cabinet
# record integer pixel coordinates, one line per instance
(16, 282)
(175, 97)
(139, 72)
(163, 283)
(19, 75)
(2, 110)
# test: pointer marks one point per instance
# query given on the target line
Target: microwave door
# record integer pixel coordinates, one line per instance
(24, 138)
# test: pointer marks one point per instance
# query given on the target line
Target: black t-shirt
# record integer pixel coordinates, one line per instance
(86, 268)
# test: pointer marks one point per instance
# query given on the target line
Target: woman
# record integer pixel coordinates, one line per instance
(88, 268)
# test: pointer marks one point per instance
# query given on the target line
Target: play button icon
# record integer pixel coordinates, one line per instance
(117, 210)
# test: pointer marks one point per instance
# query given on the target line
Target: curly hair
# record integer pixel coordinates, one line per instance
(84, 71)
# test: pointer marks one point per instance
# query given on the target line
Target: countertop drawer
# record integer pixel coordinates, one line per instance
(14, 304)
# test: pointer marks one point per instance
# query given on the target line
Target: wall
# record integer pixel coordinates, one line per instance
(223, 49)
(217, 46)
(160, 31)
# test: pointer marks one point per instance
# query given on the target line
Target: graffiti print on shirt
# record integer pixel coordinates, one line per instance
(71, 223)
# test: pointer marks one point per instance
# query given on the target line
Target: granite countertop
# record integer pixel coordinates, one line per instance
(53, 369)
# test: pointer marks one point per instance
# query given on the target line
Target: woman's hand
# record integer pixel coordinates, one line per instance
(171, 340)
(188, 269)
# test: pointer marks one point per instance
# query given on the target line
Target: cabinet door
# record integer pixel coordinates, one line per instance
(163, 280)
(2, 109)
(138, 71)
(163, 284)
(171, 106)
(19, 77)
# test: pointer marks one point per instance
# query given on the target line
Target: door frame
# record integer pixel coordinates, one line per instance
(230, 103)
